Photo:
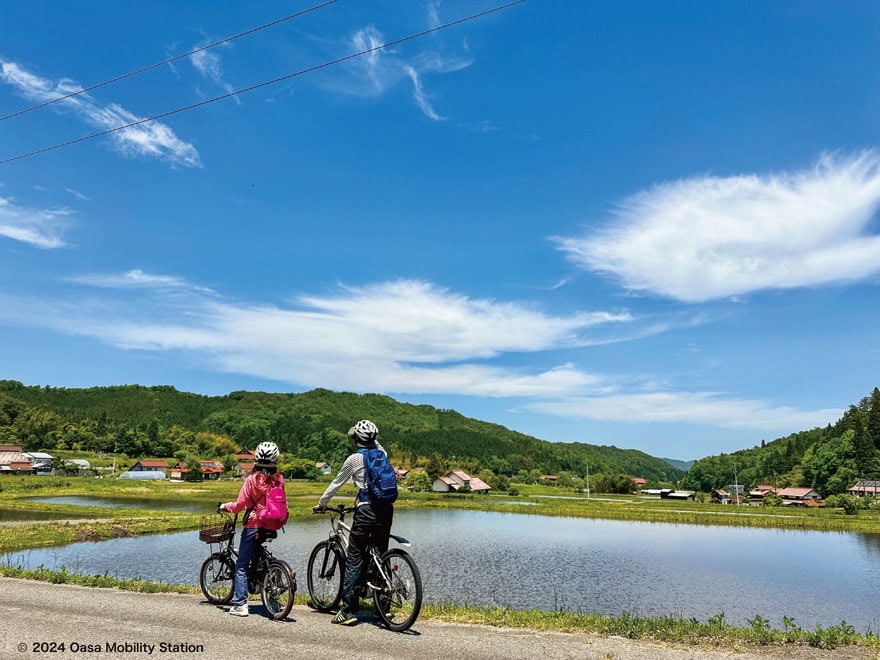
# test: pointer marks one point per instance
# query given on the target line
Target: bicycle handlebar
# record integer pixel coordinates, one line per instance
(339, 509)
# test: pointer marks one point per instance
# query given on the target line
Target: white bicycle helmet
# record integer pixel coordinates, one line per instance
(364, 432)
(266, 453)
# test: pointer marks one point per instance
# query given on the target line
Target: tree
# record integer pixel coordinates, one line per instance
(873, 423)
(421, 482)
(436, 467)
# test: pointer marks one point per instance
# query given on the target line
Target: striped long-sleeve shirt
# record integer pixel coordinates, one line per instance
(352, 469)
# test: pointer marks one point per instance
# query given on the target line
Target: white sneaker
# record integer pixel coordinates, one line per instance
(239, 610)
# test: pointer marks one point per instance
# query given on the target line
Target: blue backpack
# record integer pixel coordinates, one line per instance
(380, 477)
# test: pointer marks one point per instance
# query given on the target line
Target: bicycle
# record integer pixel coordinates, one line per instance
(268, 576)
(392, 578)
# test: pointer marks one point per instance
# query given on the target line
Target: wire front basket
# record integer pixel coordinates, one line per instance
(216, 528)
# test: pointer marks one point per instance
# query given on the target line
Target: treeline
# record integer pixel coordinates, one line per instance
(308, 427)
(830, 459)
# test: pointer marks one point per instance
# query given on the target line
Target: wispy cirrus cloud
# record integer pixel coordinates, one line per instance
(405, 336)
(208, 64)
(704, 408)
(153, 139)
(41, 228)
(376, 73)
(132, 279)
(402, 336)
(707, 238)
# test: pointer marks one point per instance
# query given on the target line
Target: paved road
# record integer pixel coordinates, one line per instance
(106, 623)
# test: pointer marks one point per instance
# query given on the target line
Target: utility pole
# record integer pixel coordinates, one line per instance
(588, 480)
(735, 485)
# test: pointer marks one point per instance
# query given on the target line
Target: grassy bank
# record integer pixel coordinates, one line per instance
(714, 632)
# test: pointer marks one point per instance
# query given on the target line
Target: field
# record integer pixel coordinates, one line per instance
(103, 523)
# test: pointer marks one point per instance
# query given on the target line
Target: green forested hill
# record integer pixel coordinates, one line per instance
(829, 459)
(161, 421)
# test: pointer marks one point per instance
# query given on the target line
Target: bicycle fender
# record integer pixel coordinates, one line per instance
(400, 540)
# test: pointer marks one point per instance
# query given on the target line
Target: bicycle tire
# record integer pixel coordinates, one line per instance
(217, 579)
(399, 602)
(279, 590)
(325, 572)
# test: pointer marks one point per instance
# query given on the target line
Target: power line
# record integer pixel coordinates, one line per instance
(274, 81)
(168, 61)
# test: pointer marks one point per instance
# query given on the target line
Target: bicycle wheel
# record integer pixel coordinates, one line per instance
(399, 599)
(326, 568)
(279, 589)
(217, 579)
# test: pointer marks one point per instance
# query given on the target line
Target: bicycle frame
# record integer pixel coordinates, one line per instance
(262, 553)
(340, 532)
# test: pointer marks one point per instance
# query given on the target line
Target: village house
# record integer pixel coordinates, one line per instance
(150, 465)
(864, 488)
(759, 492)
(178, 472)
(245, 464)
(322, 467)
(13, 461)
(40, 462)
(549, 479)
(456, 480)
(401, 473)
(800, 497)
(211, 470)
(669, 494)
(639, 483)
(243, 468)
(720, 496)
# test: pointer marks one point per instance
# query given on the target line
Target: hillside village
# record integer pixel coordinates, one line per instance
(14, 461)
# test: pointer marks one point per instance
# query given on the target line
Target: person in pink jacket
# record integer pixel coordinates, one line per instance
(252, 497)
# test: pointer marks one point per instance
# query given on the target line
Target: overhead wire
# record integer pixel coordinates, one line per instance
(168, 61)
(301, 72)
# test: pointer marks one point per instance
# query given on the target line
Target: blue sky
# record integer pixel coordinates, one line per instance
(649, 225)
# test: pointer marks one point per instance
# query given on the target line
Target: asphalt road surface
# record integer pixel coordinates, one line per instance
(42, 620)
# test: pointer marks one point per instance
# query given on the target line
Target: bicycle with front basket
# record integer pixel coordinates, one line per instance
(392, 578)
(268, 576)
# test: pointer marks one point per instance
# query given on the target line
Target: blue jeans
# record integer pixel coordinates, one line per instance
(246, 548)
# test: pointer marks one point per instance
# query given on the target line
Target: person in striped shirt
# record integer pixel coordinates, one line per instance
(372, 520)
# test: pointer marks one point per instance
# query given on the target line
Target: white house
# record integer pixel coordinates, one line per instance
(458, 479)
(323, 468)
(41, 462)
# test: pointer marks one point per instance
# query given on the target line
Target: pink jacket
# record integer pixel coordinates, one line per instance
(251, 496)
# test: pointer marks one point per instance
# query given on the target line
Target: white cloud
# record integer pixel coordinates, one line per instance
(378, 72)
(706, 238)
(149, 139)
(396, 337)
(130, 279)
(207, 63)
(400, 336)
(706, 408)
(40, 228)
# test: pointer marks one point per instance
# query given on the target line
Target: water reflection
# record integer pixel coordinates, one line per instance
(605, 566)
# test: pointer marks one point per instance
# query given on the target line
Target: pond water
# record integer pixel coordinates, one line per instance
(604, 566)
